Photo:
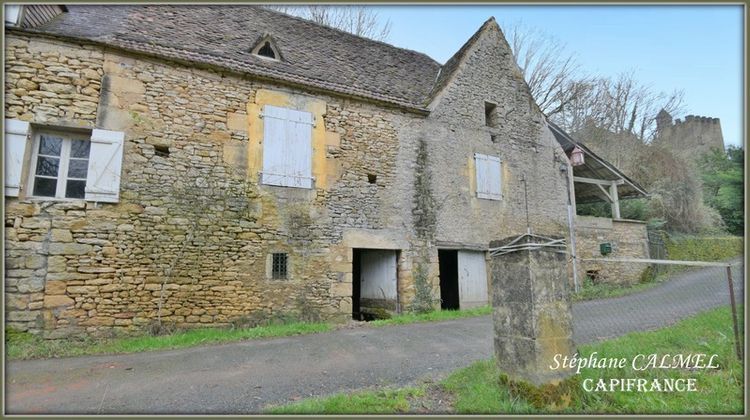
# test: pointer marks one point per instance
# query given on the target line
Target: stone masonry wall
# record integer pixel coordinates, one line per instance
(692, 138)
(629, 239)
(531, 158)
(190, 239)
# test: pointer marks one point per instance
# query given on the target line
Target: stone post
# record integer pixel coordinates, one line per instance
(531, 313)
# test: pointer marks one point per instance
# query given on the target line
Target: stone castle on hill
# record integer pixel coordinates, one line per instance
(691, 138)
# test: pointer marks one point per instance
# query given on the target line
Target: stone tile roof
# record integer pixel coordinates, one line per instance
(223, 35)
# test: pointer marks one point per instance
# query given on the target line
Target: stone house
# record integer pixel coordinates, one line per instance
(200, 164)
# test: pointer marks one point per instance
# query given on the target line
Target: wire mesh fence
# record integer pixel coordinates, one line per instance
(664, 293)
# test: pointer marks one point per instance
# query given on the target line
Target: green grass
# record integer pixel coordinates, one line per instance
(432, 316)
(477, 389)
(382, 401)
(20, 346)
(589, 290)
(28, 346)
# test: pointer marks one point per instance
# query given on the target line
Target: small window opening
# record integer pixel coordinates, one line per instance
(372, 178)
(267, 51)
(279, 267)
(162, 151)
(490, 116)
(494, 138)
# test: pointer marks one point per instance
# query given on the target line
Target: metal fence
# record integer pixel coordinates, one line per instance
(668, 292)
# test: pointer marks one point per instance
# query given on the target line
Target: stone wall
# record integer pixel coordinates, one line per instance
(533, 188)
(629, 239)
(189, 242)
(692, 137)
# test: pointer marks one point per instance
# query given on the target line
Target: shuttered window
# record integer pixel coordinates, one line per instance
(105, 166)
(287, 147)
(489, 176)
(16, 140)
(64, 165)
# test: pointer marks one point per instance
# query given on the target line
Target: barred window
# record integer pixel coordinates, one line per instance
(279, 263)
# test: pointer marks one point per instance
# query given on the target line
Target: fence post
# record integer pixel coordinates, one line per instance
(734, 313)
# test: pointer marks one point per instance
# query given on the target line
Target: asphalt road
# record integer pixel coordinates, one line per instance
(244, 377)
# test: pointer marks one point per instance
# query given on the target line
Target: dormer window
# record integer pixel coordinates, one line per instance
(266, 49)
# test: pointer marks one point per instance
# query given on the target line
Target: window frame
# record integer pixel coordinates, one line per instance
(65, 149)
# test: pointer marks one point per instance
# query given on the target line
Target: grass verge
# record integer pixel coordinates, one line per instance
(27, 346)
(589, 290)
(432, 316)
(478, 390)
(21, 346)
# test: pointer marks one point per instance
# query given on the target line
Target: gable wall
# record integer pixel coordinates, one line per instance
(527, 148)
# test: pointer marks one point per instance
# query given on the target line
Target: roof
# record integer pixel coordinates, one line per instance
(223, 35)
(597, 168)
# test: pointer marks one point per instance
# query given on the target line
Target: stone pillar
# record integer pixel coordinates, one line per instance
(531, 313)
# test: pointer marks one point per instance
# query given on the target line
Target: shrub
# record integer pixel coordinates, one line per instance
(704, 248)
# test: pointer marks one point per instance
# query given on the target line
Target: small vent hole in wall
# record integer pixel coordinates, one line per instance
(372, 178)
(490, 116)
(494, 138)
(161, 151)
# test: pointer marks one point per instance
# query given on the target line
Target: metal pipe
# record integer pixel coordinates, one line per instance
(571, 229)
(734, 314)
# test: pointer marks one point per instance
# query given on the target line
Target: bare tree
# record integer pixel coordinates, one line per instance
(358, 20)
(621, 106)
(553, 75)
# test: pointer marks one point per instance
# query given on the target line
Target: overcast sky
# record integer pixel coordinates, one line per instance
(694, 48)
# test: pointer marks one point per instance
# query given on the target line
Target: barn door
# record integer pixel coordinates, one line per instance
(378, 275)
(472, 279)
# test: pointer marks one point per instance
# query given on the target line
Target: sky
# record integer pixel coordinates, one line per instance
(697, 49)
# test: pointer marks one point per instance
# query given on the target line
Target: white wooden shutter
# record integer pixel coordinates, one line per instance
(105, 165)
(16, 139)
(488, 176)
(287, 147)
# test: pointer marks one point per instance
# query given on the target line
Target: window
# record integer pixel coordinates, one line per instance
(60, 166)
(490, 114)
(279, 262)
(287, 147)
(489, 176)
(266, 49)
